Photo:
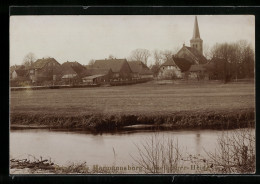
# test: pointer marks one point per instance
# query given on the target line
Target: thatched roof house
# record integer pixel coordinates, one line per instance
(72, 70)
(119, 68)
(45, 69)
(140, 70)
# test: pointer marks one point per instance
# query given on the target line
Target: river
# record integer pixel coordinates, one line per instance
(66, 147)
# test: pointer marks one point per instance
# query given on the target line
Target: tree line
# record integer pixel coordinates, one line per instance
(232, 60)
(226, 61)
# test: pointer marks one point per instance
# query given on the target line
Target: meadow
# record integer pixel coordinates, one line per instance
(150, 103)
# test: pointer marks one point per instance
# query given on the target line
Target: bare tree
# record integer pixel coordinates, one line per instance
(167, 55)
(158, 154)
(237, 60)
(140, 55)
(91, 62)
(29, 59)
(207, 52)
(246, 58)
(234, 153)
(157, 57)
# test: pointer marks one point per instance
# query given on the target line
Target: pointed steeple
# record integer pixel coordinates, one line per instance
(196, 42)
(196, 32)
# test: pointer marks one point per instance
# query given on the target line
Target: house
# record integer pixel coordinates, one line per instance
(198, 72)
(73, 72)
(174, 68)
(19, 77)
(98, 76)
(94, 79)
(18, 73)
(183, 64)
(13, 68)
(169, 70)
(45, 69)
(118, 69)
(140, 70)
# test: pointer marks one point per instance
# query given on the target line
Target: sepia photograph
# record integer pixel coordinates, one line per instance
(132, 94)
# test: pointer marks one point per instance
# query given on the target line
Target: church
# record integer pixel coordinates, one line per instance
(188, 62)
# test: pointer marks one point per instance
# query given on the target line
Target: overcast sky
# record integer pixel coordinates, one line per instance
(82, 38)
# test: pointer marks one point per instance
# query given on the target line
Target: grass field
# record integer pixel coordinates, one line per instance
(147, 99)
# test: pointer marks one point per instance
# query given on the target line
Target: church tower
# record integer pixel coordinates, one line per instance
(196, 41)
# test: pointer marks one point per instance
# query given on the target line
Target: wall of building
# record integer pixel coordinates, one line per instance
(14, 75)
(47, 72)
(168, 72)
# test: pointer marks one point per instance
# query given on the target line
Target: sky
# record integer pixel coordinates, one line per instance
(84, 37)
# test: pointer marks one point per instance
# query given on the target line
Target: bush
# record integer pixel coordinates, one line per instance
(235, 152)
(158, 155)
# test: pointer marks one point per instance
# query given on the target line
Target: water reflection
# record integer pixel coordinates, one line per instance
(197, 143)
(102, 149)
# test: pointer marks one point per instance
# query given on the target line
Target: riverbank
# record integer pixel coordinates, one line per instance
(26, 166)
(240, 118)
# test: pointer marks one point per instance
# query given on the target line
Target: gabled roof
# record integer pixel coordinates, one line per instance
(114, 64)
(197, 54)
(139, 67)
(169, 62)
(73, 68)
(182, 63)
(67, 69)
(42, 62)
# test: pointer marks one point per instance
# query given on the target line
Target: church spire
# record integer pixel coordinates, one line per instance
(196, 42)
(196, 32)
